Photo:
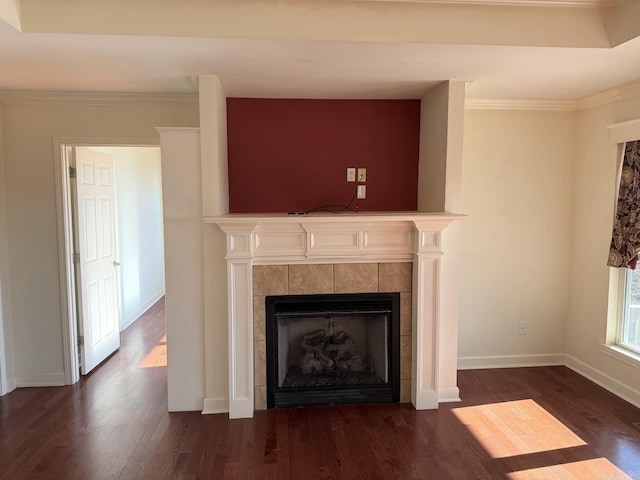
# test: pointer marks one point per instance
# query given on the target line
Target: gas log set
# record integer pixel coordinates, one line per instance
(329, 352)
(330, 360)
(332, 349)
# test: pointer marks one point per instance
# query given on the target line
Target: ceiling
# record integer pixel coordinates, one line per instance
(505, 49)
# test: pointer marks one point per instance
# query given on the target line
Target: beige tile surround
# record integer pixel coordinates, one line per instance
(336, 278)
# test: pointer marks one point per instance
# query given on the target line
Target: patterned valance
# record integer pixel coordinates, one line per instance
(625, 241)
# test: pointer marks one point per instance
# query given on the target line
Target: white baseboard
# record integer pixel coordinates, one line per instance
(241, 408)
(215, 405)
(607, 382)
(426, 400)
(8, 386)
(510, 361)
(40, 380)
(137, 313)
(448, 394)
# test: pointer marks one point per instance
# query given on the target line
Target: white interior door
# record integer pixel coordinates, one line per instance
(97, 273)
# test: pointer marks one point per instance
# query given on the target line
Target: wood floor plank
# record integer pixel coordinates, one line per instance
(114, 425)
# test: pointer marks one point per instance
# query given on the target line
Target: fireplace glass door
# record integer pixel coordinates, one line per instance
(332, 349)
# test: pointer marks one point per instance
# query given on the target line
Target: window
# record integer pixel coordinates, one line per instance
(629, 327)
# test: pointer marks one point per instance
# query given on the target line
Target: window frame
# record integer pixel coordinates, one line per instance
(625, 281)
(620, 133)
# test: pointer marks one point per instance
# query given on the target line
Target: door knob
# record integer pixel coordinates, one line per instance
(116, 264)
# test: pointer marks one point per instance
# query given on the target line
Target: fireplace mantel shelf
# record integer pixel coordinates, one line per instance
(327, 237)
(345, 217)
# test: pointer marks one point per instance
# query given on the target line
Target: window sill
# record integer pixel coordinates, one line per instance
(622, 354)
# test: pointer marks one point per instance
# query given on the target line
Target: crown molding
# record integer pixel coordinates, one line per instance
(521, 3)
(618, 93)
(516, 104)
(81, 98)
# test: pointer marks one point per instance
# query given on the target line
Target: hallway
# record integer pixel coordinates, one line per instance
(103, 426)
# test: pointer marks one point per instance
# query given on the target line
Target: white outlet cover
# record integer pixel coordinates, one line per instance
(362, 191)
(351, 174)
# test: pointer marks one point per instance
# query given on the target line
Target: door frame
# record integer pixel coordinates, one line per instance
(68, 299)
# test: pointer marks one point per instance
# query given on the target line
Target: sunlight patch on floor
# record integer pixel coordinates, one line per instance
(595, 469)
(514, 428)
(157, 357)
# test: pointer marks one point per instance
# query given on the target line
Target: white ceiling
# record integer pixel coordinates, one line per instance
(307, 68)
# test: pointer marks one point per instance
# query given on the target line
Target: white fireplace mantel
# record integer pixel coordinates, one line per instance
(270, 239)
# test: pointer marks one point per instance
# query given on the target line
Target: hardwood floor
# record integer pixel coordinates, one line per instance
(524, 423)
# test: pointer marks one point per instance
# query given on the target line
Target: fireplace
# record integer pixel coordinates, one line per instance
(332, 349)
(279, 254)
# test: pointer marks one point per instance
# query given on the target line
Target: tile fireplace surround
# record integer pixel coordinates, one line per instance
(327, 253)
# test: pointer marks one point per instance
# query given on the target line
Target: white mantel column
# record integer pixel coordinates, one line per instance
(434, 368)
(426, 312)
(240, 298)
(424, 394)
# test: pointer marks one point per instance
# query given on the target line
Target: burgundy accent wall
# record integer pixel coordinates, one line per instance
(291, 155)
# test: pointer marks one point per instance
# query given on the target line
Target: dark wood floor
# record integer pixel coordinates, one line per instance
(525, 423)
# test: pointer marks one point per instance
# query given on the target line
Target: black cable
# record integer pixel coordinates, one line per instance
(325, 208)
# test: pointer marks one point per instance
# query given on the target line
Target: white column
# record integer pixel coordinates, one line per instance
(213, 146)
(240, 301)
(215, 201)
(447, 373)
(448, 300)
(183, 253)
(435, 320)
(426, 310)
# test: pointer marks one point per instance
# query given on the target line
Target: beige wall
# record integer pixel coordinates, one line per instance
(28, 131)
(594, 189)
(516, 241)
(538, 189)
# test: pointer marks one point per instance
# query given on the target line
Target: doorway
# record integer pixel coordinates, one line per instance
(138, 234)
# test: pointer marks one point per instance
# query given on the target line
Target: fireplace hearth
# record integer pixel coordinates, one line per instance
(332, 349)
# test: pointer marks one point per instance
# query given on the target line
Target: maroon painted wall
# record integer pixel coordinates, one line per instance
(292, 155)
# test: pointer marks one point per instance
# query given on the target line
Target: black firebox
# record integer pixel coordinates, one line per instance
(333, 349)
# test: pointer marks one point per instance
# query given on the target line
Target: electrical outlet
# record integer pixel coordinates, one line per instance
(522, 328)
(362, 191)
(362, 175)
(351, 174)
